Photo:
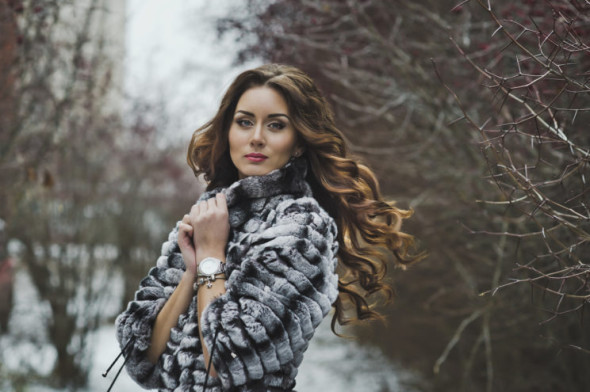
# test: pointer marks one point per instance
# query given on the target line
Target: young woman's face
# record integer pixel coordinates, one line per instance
(261, 137)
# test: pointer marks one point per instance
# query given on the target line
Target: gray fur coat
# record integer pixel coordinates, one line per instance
(281, 282)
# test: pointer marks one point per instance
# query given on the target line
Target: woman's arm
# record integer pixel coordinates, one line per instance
(135, 324)
(284, 286)
(176, 305)
(210, 240)
(180, 299)
(204, 297)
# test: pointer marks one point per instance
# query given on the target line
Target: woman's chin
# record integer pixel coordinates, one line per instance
(249, 169)
(259, 171)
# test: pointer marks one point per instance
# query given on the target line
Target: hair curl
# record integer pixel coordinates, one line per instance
(368, 226)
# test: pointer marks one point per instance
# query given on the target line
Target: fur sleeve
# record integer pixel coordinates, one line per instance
(283, 287)
(136, 322)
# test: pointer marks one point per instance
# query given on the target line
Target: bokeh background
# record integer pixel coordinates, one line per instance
(475, 114)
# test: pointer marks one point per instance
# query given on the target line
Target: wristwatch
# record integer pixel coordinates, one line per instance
(209, 270)
(210, 266)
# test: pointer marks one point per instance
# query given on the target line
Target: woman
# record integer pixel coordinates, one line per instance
(246, 277)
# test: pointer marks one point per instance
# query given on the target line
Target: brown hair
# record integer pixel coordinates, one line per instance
(368, 226)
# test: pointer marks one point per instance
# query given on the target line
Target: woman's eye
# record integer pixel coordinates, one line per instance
(276, 125)
(244, 122)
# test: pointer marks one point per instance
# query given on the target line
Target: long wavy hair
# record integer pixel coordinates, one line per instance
(368, 226)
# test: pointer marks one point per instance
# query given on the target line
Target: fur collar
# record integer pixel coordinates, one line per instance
(249, 194)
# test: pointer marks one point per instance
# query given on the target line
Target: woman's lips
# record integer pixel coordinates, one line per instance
(256, 157)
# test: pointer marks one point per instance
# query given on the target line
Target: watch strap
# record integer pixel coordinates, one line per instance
(208, 280)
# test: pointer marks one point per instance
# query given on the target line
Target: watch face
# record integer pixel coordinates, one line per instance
(209, 266)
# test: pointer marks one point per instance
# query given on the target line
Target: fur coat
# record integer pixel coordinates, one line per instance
(281, 282)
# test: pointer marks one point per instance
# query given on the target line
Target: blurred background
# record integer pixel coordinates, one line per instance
(475, 114)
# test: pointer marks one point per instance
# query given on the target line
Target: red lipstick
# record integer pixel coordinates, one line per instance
(256, 157)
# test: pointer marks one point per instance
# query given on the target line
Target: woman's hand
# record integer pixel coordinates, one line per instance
(210, 239)
(211, 220)
(187, 248)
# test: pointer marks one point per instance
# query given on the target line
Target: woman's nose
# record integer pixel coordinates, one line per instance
(257, 138)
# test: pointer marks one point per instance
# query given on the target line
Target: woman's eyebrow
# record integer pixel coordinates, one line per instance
(273, 115)
(278, 115)
(245, 112)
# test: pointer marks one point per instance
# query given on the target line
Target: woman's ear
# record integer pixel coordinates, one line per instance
(299, 150)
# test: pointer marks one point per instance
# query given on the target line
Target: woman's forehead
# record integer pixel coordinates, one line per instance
(262, 99)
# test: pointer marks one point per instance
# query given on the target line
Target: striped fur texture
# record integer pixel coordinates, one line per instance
(281, 261)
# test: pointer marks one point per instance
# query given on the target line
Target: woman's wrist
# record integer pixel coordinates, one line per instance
(189, 276)
(210, 281)
(217, 254)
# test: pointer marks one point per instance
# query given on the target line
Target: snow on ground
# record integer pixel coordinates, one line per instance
(330, 364)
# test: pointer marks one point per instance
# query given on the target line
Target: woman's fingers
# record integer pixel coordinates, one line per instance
(211, 223)
(212, 204)
(185, 227)
(221, 202)
(195, 210)
(201, 208)
(211, 210)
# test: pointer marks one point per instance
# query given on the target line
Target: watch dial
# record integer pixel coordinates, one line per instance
(208, 266)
